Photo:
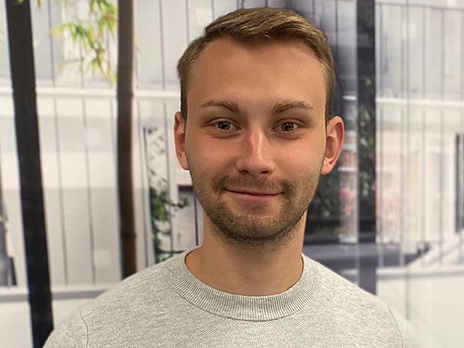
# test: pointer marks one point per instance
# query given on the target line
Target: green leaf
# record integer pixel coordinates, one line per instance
(92, 6)
(90, 36)
(58, 30)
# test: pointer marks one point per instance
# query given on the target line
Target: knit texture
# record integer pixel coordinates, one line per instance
(166, 306)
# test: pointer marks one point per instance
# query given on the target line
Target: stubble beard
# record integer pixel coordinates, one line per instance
(252, 229)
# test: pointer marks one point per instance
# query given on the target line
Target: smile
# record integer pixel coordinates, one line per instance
(253, 196)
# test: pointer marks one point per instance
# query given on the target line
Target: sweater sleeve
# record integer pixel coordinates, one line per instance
(72, 333)
(408, 334)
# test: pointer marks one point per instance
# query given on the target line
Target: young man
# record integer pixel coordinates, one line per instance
(255, 131)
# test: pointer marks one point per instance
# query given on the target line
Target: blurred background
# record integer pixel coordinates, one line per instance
(389, 218)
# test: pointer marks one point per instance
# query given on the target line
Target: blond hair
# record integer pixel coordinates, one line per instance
(260, 25)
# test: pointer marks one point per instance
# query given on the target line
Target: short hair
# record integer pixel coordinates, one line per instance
(260, 25)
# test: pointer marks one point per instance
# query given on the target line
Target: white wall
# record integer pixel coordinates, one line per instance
(431, 299)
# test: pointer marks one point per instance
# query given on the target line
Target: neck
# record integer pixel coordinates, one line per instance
(251, 271)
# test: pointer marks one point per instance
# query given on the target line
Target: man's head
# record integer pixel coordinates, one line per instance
(256, 138)
(260, 26)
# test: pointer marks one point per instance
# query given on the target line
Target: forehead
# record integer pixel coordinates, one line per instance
(222, 51)
(228, 69)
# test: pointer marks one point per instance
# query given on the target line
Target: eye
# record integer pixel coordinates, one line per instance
(224, 125)
(288, 126)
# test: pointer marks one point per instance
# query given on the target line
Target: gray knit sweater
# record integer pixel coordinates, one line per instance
(166, 306)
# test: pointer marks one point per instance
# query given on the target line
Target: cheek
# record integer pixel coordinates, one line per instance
(207, 158)
(302, 161)
(297, 166)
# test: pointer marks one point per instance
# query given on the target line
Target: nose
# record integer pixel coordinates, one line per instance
(256, 156)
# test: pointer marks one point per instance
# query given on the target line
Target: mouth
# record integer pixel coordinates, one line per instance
(253, 193)
(252, 197)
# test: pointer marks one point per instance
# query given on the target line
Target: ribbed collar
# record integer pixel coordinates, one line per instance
(253, 308)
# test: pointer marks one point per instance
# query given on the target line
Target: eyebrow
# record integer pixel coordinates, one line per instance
(277, 109)
(292, 104)
(228, 104)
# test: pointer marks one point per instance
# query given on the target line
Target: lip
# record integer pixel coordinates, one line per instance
(252, 196)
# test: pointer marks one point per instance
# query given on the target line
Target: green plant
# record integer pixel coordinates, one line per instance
(39, 3)
(160, 206)
(89, 34)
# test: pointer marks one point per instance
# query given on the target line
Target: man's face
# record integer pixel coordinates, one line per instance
(255, 137)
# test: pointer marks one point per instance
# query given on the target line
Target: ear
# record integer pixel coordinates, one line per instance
(179, 138)
(333, 143)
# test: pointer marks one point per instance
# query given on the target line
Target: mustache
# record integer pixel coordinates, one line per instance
(249, 183)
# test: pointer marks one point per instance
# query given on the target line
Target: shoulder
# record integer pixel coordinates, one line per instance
(146, 288)
(407, 332)
(134, 290)
(337, 288)
(71, 333)
(359, 309)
